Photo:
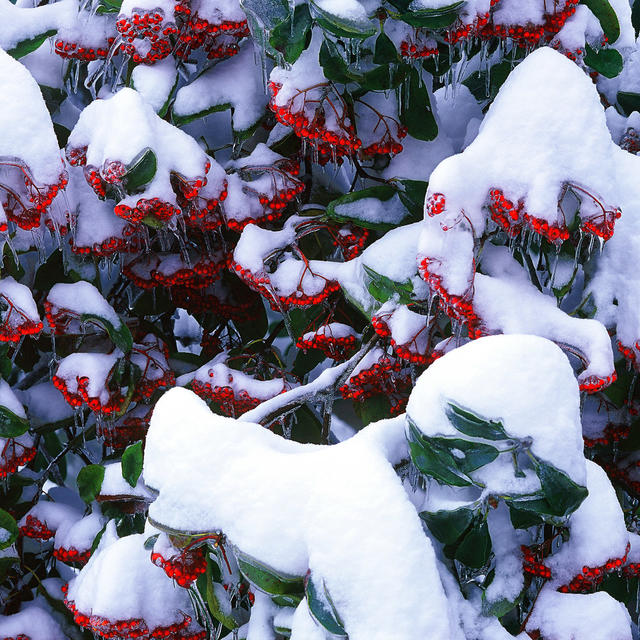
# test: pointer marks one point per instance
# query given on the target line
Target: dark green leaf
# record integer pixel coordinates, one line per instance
(433, 18)
(132, 463)
(372, 409)
(415, 112)
(109, 6)
(628, 101)
(523, 518)
(292, 39)
(635, 16)
(333, 64)
(8, 529)
(413, 196)
(468, 456)
(5, 565)
(287, 601)
(141, 170)
(28, 46)
(11, 425)
(322, 609)
(448, 526)
(608, 62)
(385, 51)
(605, 13)
(266, 13)
(341, 26)
(121, 336)
(150, 542)
(215, 606)
(563, 494)
(475, 548)
(90, 481)
(267, 579)
(383, 288)
(486, 84)
(473, 425)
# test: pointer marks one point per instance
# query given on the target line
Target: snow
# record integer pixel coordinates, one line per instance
(27, 129)
(21, 296)
(155, 82)
(33, 622)
(114, 485)
(301, 524)
(52, 514)
(526, 382)
(373, 210)
(93, 366)
(236, 81)
(9, 400)
(45, 404)
(82, 298)
(566, 616)
(79, 534)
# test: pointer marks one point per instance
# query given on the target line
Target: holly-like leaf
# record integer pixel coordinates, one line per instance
(608, 62)
(341, 26)
(25, 47)
(384, 51)
(265, 14)
(440, 18)
(448, 526)
(629, 101)
(268, 579)
(89, 481)
(475, 426)
(8, 529)
(132, 463)
(607, 17)
(333, 64)
(635, 16)
(292, 36)
(415, 112)
(120, 335)
(11, 425)
(322, 608)
(475, 548)
(141, 170)
(561, 492)
(383, 288)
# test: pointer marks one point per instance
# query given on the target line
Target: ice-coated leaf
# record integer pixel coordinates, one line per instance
(267, 13)
(384, 51)
(608, 62)
(132, 463)
(120, 335)
(291, 40)
(141, 170)
(11, 425)
(31, 44)
(268, 579)
(340, 25)
(440, 18)
(629, 101)
(8, 529)
(415, 112)
(322, 608)
(472, 425)
(475, 548)
(448, 526)
(90, 481)
(606, 14)
(383, 288)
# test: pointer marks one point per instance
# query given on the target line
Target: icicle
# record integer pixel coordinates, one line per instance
(16, 348)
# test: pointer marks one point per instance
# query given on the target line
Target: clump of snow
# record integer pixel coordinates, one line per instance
(32, 622)
(21, 297)
(82, 298)
(317, 520)
(155, 82)
(525, 382)
(9, 400)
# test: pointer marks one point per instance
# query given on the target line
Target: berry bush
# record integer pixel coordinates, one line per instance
(319, 319)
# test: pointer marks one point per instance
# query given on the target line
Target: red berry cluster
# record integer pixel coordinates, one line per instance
(184, 567)
(591, 577)
(630, 353)
(435, 204)
(130, 428)
(82, 52)
(15, 323)
(418, 47)
(34, 528)
(328, 143)
(621, 476)
(76, 399)
(532, 563)
(219, 40)
(19, 636)
(511, 218)
(14, 455)
(350, 240)
(593, 384)
(130, 242)
(387, 377)
(132, 628)
(410, 350)
(204, 213)
(261, 284)
(146, 207)
(152, 357)
(202, 301)
(94, 180)
(150, 26)
(72, 555)
(602, 224)
(611, 433)
(631, 141)
(333, 347)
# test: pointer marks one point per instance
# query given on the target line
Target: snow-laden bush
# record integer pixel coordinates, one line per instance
(386, 252)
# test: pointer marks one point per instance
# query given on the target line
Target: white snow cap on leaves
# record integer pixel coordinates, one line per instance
(82, 298)
(546, 110)
(566, 616)
(295, 507)
(526, 382)
(27, 130)
(121, 583)
(155, 82)
(9, 400)
(33, 622)
(21, 297)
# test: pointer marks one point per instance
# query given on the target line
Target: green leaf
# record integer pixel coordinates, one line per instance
(132, 463)
(435, 19)
(267, 579)
(523, 518)
(413, 196)
(383, 288)
(11, 425)
(292, 39)
(287, 600)
(607, 17)
(215, 606)
(5, 565)
(90, 481)
(372, 409)
(109, 6)
(468, 456)
(341, 26)
(333, 64)
(268, 14)
(141, 170)
(8, 529)
(25, 47)
(475, 548)
(396, 212)
(322, 609)
(483, 88)
(415, 111)
(635, 16)
(448, 526)
(608, 62)
(121, 336)
(563, 494)
(433, 460)
(384, 51)
(629, 101)
(472, 425)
